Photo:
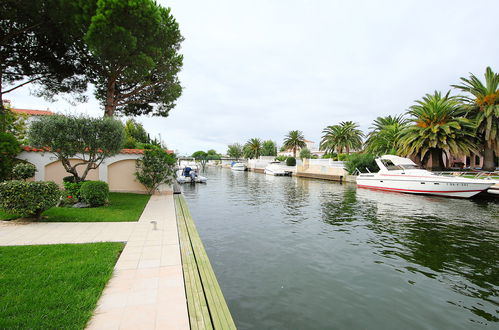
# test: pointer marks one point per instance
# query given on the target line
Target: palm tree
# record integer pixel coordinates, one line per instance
(235, 150)
(294, 140)
(483, 107)
(253, 148)
(385, 134)
(345, 136)
(438, 126)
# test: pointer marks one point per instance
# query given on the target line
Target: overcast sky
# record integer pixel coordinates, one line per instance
(261, 68)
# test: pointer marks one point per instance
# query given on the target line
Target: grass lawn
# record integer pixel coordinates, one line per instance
(53, 286)
(122, 207)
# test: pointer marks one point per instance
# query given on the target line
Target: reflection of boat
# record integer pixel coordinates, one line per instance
(403, 175)
(188, 175)
(275, 168)
(238, 166)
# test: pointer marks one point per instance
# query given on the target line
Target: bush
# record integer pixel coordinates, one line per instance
(281, 158)
(155, 167)
(305, 153)
(361, 162)
(291, 161)
(28, 199)
(9, 148)
(95, 193)
(342, 157)
(23, 171)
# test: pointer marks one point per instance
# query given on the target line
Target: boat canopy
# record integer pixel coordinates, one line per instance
(398, 161)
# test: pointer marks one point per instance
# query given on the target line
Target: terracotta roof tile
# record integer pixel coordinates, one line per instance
(32, 112)
(123, 151)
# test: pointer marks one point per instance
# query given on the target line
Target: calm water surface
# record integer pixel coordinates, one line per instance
(294, 253)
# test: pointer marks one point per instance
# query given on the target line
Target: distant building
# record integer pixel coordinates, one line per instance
(31, 113)
(310, 145)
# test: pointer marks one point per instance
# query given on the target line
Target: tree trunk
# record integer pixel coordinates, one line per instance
(347, 150)
(489, 163)
(110, 106)
(436, 159)
(294, 152)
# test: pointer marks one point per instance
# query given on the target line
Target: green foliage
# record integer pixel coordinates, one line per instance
(305, 153)
(235, 150)
(269, 148)
(291, 161)
(135, 135)
(294, 140)
(482, 106)
(91, 140)
(15, 124)
(345, 136)
(438, 125)
(134, 55)
(154, 168)
(253, 148)
(35, 48)
(385, 135)
(333, 155)
(281, 158)
(342, 157)
(23, 171)
(72, 190)
(212, 155)
(361, 162)
(95, 193)
(28, 199)
(9, 148)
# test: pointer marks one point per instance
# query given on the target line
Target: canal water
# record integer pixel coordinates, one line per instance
(292, 253)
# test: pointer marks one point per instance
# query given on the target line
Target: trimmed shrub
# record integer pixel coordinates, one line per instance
(95, 193)
(342, 157)
(23, 171)
(28, 199)
(361, 161)
(291, 161)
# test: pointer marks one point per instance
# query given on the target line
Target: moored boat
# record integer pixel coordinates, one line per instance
(189, 175)
(403, 175)
(275, 168)
(238, 166)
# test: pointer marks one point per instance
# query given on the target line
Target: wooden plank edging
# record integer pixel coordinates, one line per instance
(205, 300)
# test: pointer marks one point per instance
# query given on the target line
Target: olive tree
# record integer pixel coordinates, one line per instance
(89, 140)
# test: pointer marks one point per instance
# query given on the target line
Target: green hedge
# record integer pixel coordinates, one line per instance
(361, 162)
(28, 199)
(95, 193)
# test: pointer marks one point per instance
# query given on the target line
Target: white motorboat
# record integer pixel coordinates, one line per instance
(238, 166)
(275, 168)
(188, 175)
(403, 175)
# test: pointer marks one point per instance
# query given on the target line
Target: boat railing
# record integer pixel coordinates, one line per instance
(472, 175)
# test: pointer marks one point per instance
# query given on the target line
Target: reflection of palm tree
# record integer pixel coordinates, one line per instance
(294, 140)
(345, 136)
(339, 209)
(484, 108)
(438, 127)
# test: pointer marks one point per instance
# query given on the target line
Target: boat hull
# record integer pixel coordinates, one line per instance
(238, 168)
(437, 188)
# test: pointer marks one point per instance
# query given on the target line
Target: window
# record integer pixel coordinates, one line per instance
(390, 166)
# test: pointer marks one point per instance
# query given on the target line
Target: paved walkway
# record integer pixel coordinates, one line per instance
(147, 288)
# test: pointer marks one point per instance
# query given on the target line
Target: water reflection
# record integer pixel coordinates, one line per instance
(294, 253)
(436, 236)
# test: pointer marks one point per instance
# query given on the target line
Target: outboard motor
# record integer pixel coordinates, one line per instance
(193, 176)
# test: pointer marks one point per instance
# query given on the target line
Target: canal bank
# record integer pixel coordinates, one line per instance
(295, 253)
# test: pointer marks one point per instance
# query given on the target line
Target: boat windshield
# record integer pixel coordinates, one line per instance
(391, 166)
(411, 167)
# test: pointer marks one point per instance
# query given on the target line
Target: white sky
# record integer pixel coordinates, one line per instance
(261, 68)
